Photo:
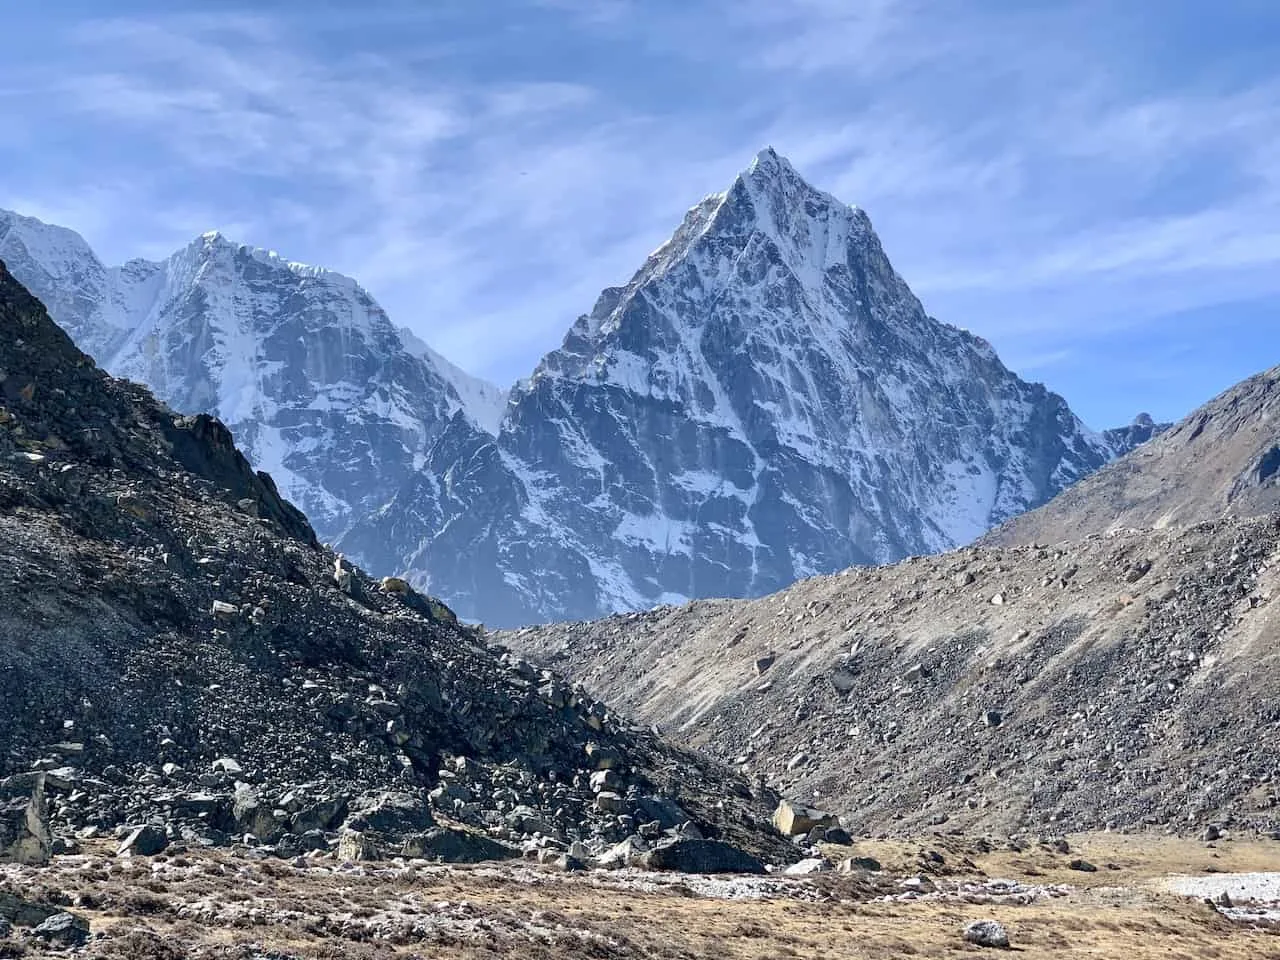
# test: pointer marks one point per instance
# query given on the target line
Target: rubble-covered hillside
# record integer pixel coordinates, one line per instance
(180, 661)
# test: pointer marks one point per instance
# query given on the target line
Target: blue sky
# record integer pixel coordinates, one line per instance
(1094, 187)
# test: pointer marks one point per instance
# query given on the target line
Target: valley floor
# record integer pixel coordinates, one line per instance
(229, 905)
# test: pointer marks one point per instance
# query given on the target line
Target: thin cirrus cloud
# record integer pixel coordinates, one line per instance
(1057, 177)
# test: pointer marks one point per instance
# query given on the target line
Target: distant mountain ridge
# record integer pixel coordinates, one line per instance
(318, 386)
(763, 401)
(1222, 460)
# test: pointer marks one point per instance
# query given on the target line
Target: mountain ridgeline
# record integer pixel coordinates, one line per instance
(765, 400)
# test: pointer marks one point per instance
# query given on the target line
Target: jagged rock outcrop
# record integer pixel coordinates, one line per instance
(178, 654)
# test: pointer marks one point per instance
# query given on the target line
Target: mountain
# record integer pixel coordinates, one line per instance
(765, 400)
(1223, 460)
(1126, 682)
(178, 651)
(302, 364)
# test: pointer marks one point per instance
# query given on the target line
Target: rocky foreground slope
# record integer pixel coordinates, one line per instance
(180, 661)
(1122, 680)
(1223, 460)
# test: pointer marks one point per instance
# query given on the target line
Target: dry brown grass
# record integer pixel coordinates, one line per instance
(1118, 912)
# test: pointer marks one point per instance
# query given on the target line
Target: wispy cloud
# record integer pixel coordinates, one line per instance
(487, 172)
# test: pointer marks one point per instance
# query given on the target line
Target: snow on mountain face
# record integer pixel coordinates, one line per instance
(765, 400)
(300, 362)
(484, 403)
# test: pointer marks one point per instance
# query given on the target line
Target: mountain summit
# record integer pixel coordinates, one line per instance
(764, 400)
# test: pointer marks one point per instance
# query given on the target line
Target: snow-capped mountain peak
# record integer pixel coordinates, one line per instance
(301, 362)
(763, 400)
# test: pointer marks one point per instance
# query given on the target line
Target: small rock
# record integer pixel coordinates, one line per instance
(225, 610)
(860, 865)
(987, 933)
(64, 928)
(1084, 866)
(992, 718)
(1211, 833)
(764, 663)
(146, 841)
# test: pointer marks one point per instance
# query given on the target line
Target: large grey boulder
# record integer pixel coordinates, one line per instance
(701, 856)
(24, 821)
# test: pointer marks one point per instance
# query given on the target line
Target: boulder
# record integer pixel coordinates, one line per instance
(25, 913)
(354, 846)
(987, 933)
(65, 929)
(145, 841)
(626, 853)
(456, 846)
(701, 856)
(793, 819)
(24, 821)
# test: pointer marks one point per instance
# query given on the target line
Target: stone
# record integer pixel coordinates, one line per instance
(764, 663)
(860, 865)
(792, 819)
(1211, 833)
(65, 929)
(145, 841)
(224, 610)
(625, 853)
(6, 928)
(24, 821)
(1084, 866)
(992, 718)
(987, 933)
(395, 585)
(456, 846)
(228, 766)
(610, 802)
(701, 856)
(602, 757)
(837, 835)
(354, 846)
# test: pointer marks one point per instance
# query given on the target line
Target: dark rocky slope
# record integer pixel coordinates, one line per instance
(177, 650)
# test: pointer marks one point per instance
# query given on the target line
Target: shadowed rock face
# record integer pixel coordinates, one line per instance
(765, 400)
(1223, 460)
(176, 648)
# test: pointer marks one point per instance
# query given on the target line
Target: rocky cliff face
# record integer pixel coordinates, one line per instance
(176, 650)
(304, 367)
(764, 401)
